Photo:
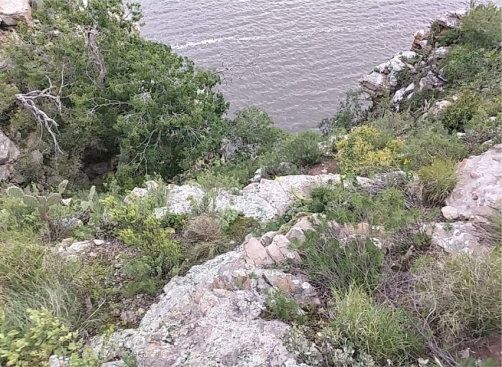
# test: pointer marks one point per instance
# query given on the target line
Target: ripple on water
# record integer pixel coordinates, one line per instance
(293, 58)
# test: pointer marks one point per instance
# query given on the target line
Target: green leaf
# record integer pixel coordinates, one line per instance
(53, 199)
(15, 192)
(31, 201)
(62, 186)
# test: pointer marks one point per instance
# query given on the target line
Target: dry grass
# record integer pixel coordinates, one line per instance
(438, 180)
(460, 295)
(203, 228)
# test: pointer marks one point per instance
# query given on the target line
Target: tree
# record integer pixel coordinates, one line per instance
(95, 90)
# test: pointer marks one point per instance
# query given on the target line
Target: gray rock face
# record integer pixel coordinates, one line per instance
(261, 200)
(479, 187)
(14, 11)
(8, 150)
(9, 153)
(210, 317)
(477, 196)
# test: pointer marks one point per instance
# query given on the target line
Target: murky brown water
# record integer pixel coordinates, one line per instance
(293, 58)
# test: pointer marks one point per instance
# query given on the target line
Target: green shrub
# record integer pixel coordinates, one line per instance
(348, 205)
(438, 180)
(458, 114)
(303, 149)
(350, 113)
(464, 64)
(45, 336)
(378, 330)
(460, 295)
(213, 180)
(368, 150)
(429, 142)
(136, 226)
(481, 27)
(283, 307)
(330, 263)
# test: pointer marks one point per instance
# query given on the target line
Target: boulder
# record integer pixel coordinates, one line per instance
(439, 106)
(211, 317)
(479, 187)
(8, 150)
(476, 197)
(432, 81)
(374, 84)
(14, 11)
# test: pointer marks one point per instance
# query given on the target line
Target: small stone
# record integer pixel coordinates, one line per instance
(99, 242)
(295, 233)
(256, 254)
(450, 213)
(66, 202)
(275, 253)
(151, 185)
(267, 238)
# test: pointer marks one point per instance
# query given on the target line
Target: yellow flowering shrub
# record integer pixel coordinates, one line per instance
(46, 336)
(368, 150)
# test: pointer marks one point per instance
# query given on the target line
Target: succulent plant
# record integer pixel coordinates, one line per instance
(41, 202)
(88, 204)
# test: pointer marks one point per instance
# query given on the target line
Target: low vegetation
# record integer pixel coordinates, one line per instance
(388, 296)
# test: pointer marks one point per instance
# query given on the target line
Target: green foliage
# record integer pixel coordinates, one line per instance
(137, 227)
(303, 149)
(368, 150)
(212, 180)
(283, 307)
(481, 27)
(32, 276)
(350, 113)
(460, 112)
(378, 330)
(41, 202)
(460, 295)
(46, 336)
(350, 205)
(89, 203)
(428, 142)
(438, 180)
(330, 263)
(254, 133)
(120, 94)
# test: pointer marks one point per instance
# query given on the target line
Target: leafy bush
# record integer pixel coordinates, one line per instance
(460, 294)
(429, 142)
(212, 180)
(45, 336)
(350, 113)
(368, 150)
(348, 205)
(137, 227)
(455, 116)
(121, 95)
(464, 63)
(481, 27)
(283, 307)
(378, 330)
(253, 133)
(438, 180)
(303, 149)
(330, 263)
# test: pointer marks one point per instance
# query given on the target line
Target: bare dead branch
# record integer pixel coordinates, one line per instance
(91, 43)
(45, 122)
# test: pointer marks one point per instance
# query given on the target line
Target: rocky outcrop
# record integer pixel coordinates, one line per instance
(211, 316)
(14, 11)
(9, 153)
(415, 70)
(477, 197)
(262, 200)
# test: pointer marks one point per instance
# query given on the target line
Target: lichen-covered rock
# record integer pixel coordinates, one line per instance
(475, 198)
(211, 317)
(8, 150)
(14, 11)
(479, 187)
